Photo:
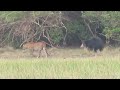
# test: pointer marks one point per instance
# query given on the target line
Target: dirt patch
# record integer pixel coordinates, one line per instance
(57, 53)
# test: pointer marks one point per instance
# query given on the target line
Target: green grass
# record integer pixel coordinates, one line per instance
(62, 64)
(60, 68)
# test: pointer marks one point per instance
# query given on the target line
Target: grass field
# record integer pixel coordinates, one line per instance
(66, 63)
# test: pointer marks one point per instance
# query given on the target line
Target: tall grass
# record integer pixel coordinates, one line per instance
(60, 68)
(62, 64)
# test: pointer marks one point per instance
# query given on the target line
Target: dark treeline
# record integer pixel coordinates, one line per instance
(63, 28)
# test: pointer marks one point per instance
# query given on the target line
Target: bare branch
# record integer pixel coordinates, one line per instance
(89, 28)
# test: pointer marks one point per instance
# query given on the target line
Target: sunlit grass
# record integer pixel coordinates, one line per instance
(62, 64)
(60, 68)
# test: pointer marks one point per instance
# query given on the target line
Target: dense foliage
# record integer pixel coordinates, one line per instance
(56, 27)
